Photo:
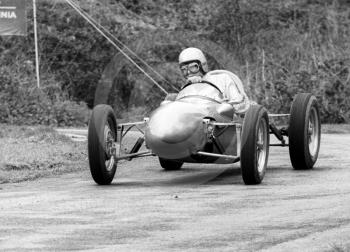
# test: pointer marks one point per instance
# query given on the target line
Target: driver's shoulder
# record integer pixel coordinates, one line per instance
(218, 75)
(220, 72)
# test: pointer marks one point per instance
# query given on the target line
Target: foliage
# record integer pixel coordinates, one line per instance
(21, 103)
(279, 48)
(290, 47)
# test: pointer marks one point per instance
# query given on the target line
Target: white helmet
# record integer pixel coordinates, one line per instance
(194, 54)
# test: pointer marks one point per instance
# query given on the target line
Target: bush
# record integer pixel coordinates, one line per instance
(69, 113)
(280, 48)
(289, 47)
(25, 104)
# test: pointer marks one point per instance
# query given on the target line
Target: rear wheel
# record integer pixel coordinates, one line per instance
(304, 132)
(102, 134)
(255, 145)
(170, 165)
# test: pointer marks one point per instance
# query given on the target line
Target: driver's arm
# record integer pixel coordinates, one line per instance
(236, 96)
(233, 95)
(232, 92)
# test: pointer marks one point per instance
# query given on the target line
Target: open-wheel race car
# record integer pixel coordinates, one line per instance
(196, 126)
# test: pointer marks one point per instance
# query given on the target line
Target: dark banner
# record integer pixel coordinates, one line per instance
(13, 20)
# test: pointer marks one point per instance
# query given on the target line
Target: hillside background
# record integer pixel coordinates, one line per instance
(278, 48)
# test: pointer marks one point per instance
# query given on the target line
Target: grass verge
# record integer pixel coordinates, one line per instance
(336, 128)
(28, 153)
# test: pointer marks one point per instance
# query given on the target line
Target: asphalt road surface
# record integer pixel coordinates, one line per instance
(200, 208)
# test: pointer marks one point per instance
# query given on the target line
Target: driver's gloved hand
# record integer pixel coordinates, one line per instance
(193, 79)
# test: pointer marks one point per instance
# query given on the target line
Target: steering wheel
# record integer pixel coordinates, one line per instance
(207, 82)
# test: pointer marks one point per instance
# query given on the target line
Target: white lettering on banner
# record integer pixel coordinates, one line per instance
(8, 7)
(8, 14)
(13, 17)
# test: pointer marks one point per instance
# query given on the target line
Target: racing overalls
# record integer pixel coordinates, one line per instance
(232, 88)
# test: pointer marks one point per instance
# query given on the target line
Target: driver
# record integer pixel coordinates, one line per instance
(194, 68)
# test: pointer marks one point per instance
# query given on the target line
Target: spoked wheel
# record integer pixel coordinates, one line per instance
(255, 145)
(170, 165)
(304, 132)
(102, 136)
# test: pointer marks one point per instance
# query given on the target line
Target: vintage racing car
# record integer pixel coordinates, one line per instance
(196, 126)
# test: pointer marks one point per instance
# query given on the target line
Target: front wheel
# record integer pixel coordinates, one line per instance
(102, 134)
(304, 132)
(170, 165)
(255, 145)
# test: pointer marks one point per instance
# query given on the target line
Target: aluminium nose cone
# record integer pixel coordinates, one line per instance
(175, 130)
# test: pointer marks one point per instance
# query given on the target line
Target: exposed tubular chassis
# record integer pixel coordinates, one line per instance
(124, 128)
(105, 139)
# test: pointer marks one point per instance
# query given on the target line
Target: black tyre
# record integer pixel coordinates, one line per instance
(304, 132)
(170, 165)
(255, 142)
(102, 133)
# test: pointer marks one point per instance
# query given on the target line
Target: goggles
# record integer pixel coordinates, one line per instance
(193, 68)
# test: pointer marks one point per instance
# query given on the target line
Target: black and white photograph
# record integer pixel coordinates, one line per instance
(175, 125)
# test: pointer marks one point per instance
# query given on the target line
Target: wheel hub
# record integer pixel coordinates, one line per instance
(313, 132)
(109, 148)
(261, 146)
